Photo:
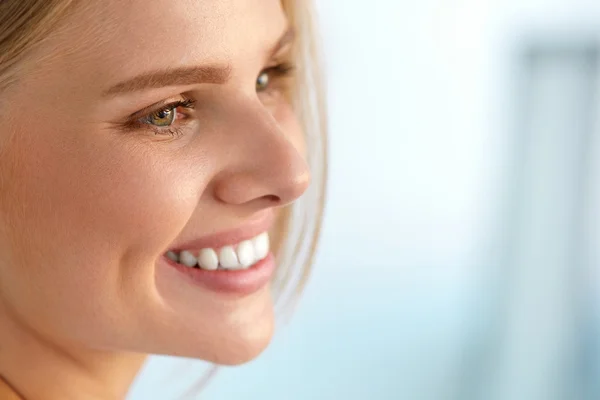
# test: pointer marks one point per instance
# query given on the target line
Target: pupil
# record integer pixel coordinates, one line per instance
(163, 117)
(163, 114)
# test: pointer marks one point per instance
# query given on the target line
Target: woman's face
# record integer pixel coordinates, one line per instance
(98, 180)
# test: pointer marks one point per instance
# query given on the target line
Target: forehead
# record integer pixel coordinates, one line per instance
(106, 36)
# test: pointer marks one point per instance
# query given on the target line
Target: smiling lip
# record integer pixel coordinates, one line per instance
(229, 238)
(237, 282)
(240, 282)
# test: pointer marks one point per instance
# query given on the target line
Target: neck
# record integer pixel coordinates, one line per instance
(38, 368)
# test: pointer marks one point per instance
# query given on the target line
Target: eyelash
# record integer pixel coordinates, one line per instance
(282, 70)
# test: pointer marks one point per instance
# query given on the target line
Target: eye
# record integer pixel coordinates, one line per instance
(162, 118)
(262, 82)
(168, 119)
(166, 116)
(274, 76)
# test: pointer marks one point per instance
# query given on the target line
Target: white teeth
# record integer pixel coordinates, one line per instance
(242, 256)
(188, 259)
(261, 245)
(208, 259)
(173, 256)
(228, 259)
(245, 253)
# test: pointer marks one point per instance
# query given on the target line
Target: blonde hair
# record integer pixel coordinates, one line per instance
(24, 24)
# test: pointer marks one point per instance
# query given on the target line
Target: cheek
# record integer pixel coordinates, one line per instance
(85, 218)
(121, 193)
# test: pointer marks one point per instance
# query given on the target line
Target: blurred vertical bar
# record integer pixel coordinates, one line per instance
(538, 345)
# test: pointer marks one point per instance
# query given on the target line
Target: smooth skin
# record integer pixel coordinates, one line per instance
(89, 202)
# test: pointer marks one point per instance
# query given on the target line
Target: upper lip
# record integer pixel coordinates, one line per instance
(244, 231)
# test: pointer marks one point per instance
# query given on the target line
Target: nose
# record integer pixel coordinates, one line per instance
(264, 167)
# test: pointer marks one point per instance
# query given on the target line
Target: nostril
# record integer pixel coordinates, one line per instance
(271, 198)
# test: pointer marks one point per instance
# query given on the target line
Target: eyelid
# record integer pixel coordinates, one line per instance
(154, 107)
(279, 69)
(284, 51)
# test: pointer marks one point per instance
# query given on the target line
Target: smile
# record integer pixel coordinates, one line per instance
(237, 256)
(237, 261)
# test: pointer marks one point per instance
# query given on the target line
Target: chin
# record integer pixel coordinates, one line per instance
(232, 351)
(244, 350)
(231, 339)
(238, 345)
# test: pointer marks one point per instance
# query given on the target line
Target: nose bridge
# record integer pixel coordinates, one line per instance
(256, 127)
(265, 166)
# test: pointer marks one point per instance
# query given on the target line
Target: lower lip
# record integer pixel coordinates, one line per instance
(240, 282)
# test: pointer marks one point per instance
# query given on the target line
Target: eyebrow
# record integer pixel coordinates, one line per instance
(187, 75)
(172, 77)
